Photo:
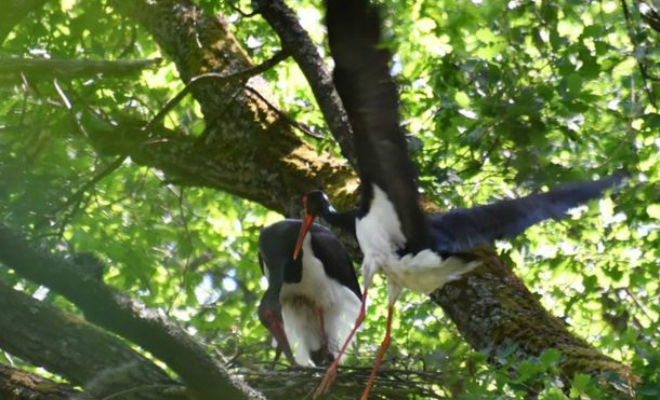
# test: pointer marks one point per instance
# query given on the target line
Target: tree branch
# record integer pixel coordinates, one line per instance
(294, 39)
(239, 77)
(248, 149)
(109, 369)
(47, 68)
(204, 375)
(72, 348)
(21, 385)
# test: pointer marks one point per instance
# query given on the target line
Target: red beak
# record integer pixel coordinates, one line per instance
(280, 336)
(307, 223)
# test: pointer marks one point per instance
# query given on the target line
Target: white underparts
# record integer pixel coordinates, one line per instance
(301, 302)
(379, 235)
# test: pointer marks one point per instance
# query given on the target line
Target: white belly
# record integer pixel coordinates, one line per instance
(379, 235)
(302, 301)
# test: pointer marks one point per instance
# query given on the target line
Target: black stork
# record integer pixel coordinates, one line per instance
(312, 301)
(414, 251)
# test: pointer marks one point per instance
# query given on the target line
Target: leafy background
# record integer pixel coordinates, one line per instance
(501, 98)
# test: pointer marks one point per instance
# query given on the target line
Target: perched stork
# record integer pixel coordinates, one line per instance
(414, 251)
(313, 300)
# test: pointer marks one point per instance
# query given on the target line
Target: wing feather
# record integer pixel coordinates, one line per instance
(463, 229)
(364, 83)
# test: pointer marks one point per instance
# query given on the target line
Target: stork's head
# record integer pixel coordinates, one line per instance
(315, 203)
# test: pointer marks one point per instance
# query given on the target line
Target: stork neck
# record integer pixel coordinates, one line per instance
(293, 270)
(343, 220)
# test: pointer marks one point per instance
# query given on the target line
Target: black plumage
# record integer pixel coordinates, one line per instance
(287, 288)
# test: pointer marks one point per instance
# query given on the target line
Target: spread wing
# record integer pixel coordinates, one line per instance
(363, 81)
(463, 229)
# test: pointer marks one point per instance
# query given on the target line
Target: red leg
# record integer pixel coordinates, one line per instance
(383, 348)
(332, 370)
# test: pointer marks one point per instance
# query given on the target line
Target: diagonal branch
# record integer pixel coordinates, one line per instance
(63, 68)
(204, 375)
(101, 364)
(240, 77)
(294, 39)
(78, 195)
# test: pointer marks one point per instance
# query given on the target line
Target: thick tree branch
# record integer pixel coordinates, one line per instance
(492, 308)
(250, 150)
(294, 39)
(204, 375)
(72, 348)
(47, 68)
(21, 385)
(108, 369)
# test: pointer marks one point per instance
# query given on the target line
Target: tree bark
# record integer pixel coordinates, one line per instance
(249, 152)
(204, 375)
(248, 149)
(21, 385)
(66, 345)
(493, 309)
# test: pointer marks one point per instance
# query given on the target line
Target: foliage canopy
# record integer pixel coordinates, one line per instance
(501, 98)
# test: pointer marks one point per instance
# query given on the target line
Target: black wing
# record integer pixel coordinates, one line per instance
(335, 259)
(463, 229)
(363, 81)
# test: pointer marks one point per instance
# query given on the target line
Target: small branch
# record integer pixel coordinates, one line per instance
(78, 195)
(643, 68)
(233, 6)
(294, 39)
(241, 76)
(300, 126)
(62, 68)
(650, 16)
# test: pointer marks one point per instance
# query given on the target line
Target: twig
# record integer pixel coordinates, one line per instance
(77, 196)
(236, 8)
(642, 66)
(143, 388)
(240, 76)
(73, 68)
(302, 127)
